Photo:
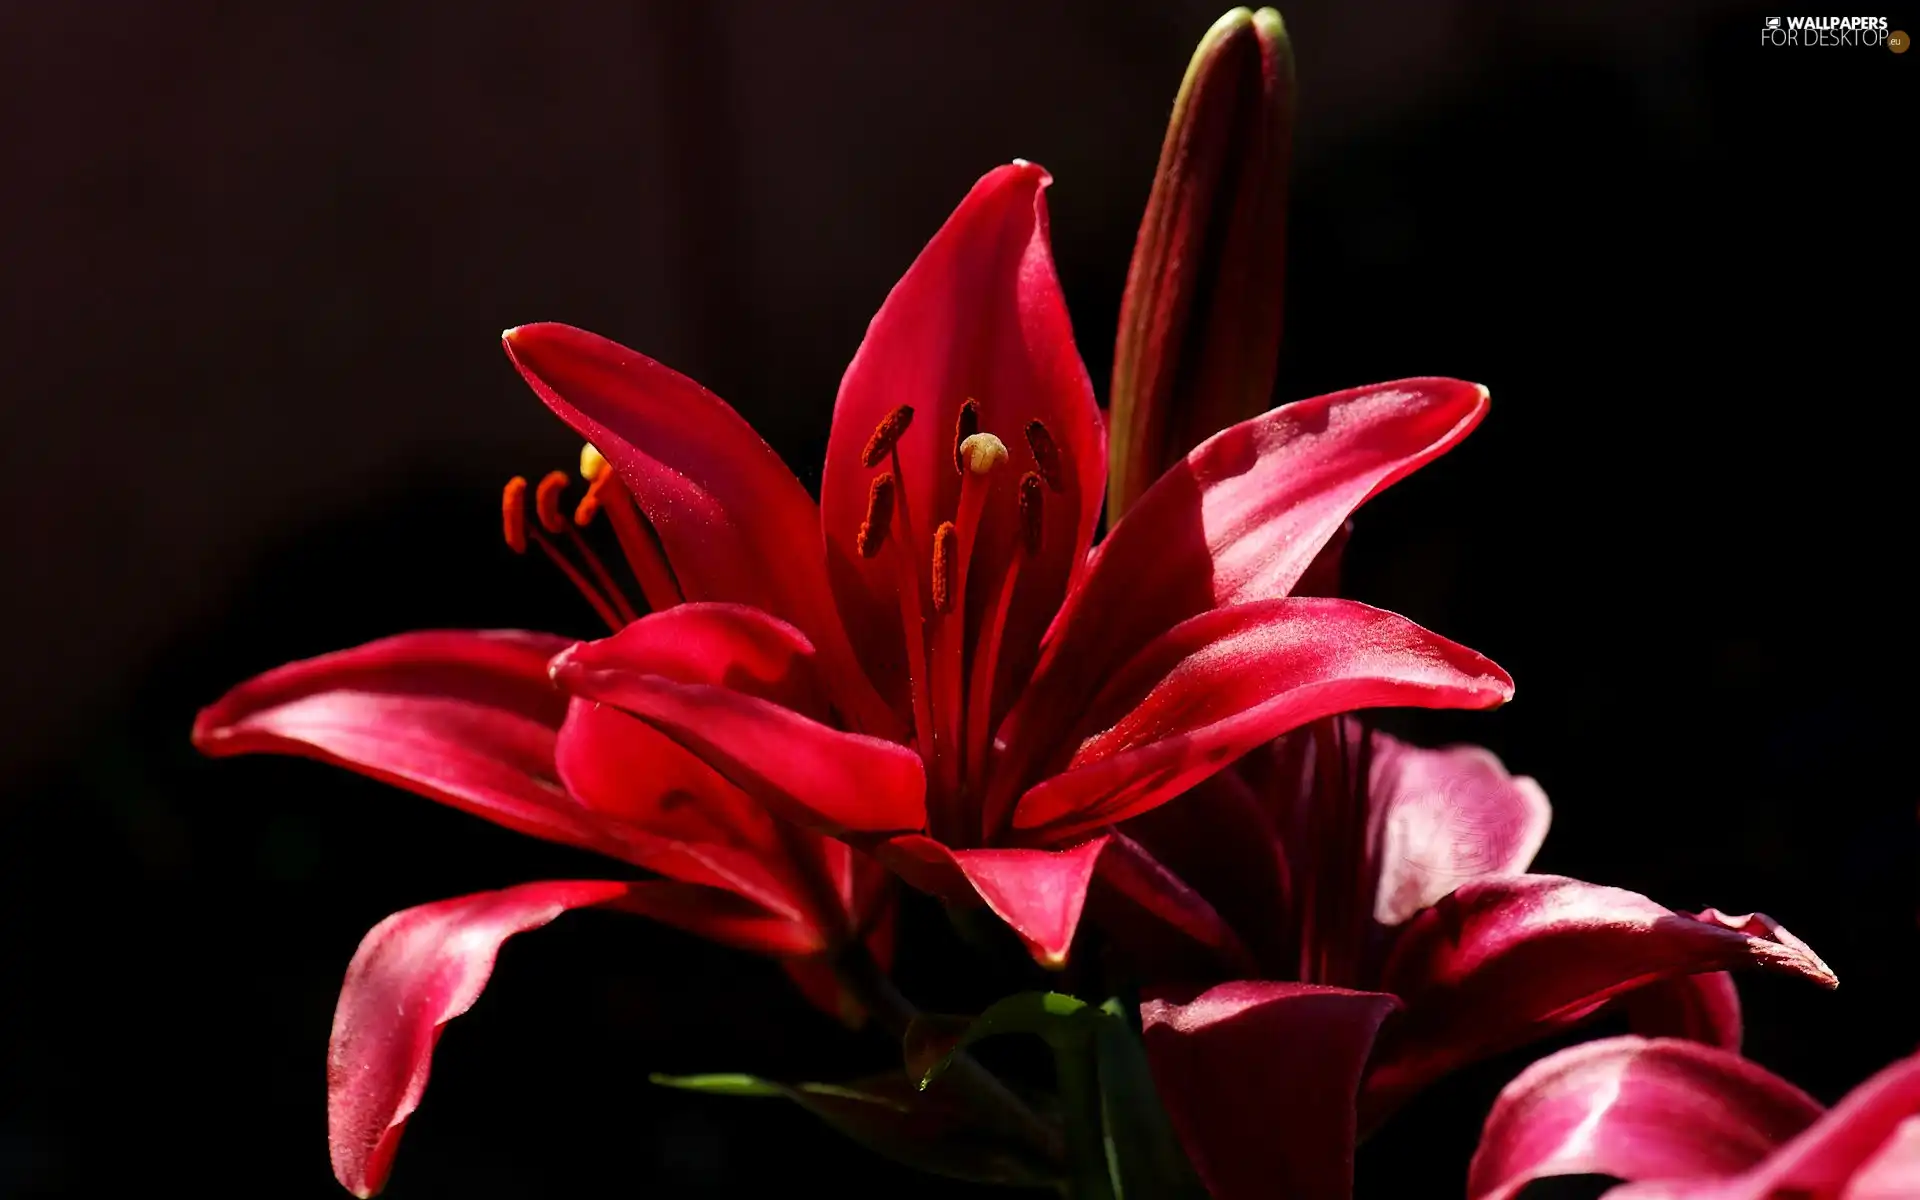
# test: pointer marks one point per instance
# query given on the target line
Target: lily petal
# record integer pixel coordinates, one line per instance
(743, 649)
(1242, 519)
(979, 315)
(1635, 1109)
(1259, 1080)
(683, 820)
(1448, 816)
(465, 718)
(1501, 961)
(1867, 1147)
(1038, 893)
(414, 972)
(1216, 686)
(1701, 1008)
(1160, 919)
(816, 776)
(735, 524)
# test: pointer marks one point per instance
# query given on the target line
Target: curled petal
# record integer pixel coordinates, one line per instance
(1240, 519)
(1259, 1080)
(1216, 686)
(816, 776)
(1504, 960)
(1635, 1109)
(465, 718)
(1700, 1008)
(1038, 893)
(735, 523)
(727, 645)
(978, 316)
(1448, 816)
(414, 972)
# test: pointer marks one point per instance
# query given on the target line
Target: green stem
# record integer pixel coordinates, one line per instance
(866, 982)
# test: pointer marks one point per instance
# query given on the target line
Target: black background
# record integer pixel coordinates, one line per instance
(253, 261)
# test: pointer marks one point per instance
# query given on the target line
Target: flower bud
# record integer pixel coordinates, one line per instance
(1200, 322)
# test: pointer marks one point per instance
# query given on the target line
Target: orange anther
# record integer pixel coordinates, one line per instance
(946, 548)
(1046, 453)
(873, 530)
(1032, 515)
(886, 435)
(546, 501)
(965, 427)
(513, 514)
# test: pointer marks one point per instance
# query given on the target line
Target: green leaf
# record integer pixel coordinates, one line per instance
(1147, 1160)
(891, 1116)
(1050, 1015)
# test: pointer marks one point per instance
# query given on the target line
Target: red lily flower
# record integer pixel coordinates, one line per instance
(471, 719)
(1682, 1121)
(968, 692)
(1371, 899)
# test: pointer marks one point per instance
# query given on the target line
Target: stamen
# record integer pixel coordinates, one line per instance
(886, 435)
(640, 543)
(583, 512)
(873, 530)
(546, 501)
(1046, 453)
(945, 552)
(964, 429)
(513, 514)
(1032, 513)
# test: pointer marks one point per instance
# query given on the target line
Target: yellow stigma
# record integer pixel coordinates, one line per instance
(591, 462)
(982, 453)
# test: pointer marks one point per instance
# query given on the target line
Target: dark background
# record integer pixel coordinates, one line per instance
(254, 259)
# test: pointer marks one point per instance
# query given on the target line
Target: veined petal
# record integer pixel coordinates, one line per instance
(735, 524)
(465, 718)
(414, 972)
(1448, 816)
(1259, 1080)
(978, 316)
(816, 776)
(1867, 1147)
(1504, 960)
(1216, 686)
(1038, 893)
(1635, 1109)
(1241, 519)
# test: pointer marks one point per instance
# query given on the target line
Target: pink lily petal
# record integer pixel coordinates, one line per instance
(1038, 893)
(1259, 1080)
(1503, 960)
(1635, 1109)
(1700, 1008)
(979, 315)
(465, 718)
(726, 508)
(1220, 684)
(1448, 816)
(414, 972)
(1865, 1148)
(1242, 519)
(816, 776)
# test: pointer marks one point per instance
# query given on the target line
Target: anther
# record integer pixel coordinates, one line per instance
(589, 506)
(1032, 515)
(981, 453)
(886, 435)
(946, 546)
(546, 501)
(1046, 453)
(967, 425)
(592, 463)
(873, 530)
(513, 514)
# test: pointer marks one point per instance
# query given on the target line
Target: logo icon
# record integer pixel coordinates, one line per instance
(1773, 22)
